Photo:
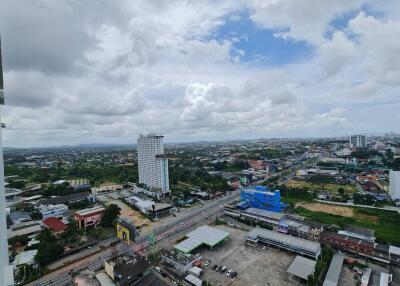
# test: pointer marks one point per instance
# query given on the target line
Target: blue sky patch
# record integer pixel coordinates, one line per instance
(260, 46)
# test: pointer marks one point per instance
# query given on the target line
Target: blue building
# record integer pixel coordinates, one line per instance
(261, 198)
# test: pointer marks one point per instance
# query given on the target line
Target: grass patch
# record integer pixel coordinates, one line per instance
(385, 223)
(331, 188)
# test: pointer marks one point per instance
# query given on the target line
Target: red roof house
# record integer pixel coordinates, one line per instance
(56, 225)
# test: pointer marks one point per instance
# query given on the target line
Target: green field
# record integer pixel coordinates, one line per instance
(385, 223)
(331, 188)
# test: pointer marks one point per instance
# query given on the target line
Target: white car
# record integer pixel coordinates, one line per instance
(229, 273)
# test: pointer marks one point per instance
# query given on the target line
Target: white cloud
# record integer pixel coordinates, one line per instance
(107, 72)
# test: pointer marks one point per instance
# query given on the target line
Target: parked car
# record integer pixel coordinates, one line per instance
(207, 263)
(229, 273)
(233, 274)
(219, 268)
(223, 269)
(214, 267)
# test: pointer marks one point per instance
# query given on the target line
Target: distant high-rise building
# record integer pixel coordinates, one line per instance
(358, 141)
(394, 185)
(153, 167)
(6, 270)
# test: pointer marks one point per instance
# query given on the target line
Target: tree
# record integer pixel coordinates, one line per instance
(48, 252)
(341, 191)
(49, 249)
(396, 164)
(110, 214)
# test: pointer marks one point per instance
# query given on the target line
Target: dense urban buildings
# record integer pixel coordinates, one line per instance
(153, 167)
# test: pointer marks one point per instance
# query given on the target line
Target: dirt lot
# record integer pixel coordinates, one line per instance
(255, 266)
(346, 278)
(330, 209)
(142, 223)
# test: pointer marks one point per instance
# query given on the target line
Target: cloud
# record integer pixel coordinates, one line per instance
(79, 72)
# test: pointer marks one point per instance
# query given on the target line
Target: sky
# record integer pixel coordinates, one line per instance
(106, 71)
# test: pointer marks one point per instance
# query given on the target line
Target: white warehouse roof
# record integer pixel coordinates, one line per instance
(203, 235)
(302, 267)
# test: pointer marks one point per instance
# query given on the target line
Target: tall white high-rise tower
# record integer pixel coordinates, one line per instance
(394, 184)
(358, 141)
(153, 166)
(6, 271)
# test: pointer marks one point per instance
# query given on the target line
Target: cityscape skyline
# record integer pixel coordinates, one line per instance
(248, 69)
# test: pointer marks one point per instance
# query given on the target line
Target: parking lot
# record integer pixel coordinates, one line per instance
(256, 266)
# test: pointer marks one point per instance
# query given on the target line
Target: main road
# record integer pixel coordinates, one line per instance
(180, 225)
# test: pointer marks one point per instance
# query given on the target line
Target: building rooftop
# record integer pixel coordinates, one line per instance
(359, 230)
(16, 216)
(394, 250)
(126, 272)
(12, 192)
(150, 280)
(332, 277)
(194, 280)
(179, 257)
(55, 224)
(203, 235)
(104, 279)
(265, 213)
(64, 199)
(294, 242)
(26, 257)
(90, 211)
(302, 267)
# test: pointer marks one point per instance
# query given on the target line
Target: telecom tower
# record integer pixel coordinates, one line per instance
(6, 271)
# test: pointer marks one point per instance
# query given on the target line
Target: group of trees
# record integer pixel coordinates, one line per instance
(199, 178)
(295, 193)
(110, 214)
(321, 266)
(96, 174)
(49, 249)
(236, 165)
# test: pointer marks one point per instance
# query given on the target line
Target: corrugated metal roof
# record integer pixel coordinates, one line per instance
(264, 213)
(289, 240)
(302, 267)
(332, 277)
(203, 235)
(194, 280)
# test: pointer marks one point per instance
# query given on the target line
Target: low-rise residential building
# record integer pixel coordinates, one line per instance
(347, 243)
(25, 258)
(69, 199)
(58, 211)
(358, 232)
(90, 217)
(19, 217)
(178, 261)
(12, 194)
(127, 270)
(25, 228)
(106, 188)
(394, 255)
(55, 225)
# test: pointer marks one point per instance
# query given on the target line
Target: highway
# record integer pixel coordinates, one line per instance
(182, 224)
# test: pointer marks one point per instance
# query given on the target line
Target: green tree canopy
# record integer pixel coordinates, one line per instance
(110, 214)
